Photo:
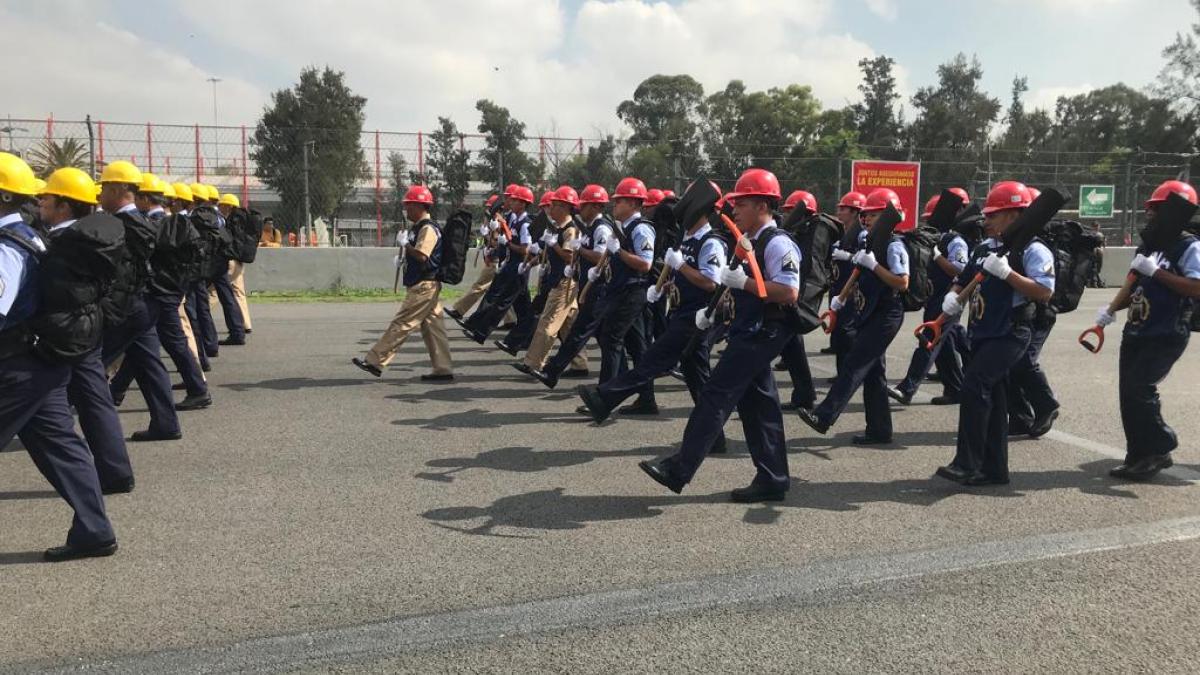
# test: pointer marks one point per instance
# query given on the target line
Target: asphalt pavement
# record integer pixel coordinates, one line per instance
(316, 519)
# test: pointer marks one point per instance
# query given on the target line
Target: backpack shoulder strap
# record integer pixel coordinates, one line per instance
(22, 241)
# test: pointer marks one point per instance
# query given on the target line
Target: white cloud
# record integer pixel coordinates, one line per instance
(884, 9)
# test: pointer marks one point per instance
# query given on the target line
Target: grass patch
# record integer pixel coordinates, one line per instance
(339, 295)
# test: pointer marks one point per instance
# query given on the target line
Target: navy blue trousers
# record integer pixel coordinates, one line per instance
(1145, 363)
(88, 391)
(234, 321)
(866, 366)
(1029, 392)
(983, 408)
(200, 315)
(508, 290)
(587, 322)
(622, 331)
(521, 335)
(669, 349)
(743, 380)
(174, 343)
(33, 407)
(796, 360)
(137, 339)
(949, 354)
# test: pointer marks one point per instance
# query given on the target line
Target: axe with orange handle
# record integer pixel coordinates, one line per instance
(744, 251)
(1113, 307)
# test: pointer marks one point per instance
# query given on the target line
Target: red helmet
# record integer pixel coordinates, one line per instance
(1007, 194)
(523, 193)
(1034, 193)
(669, 194)
(418, 194)
(654, 197)
(490, 201)
(508, 189)
(566, 194)
(546, 197)
(794, 199)
(880, 198)
(630, 188)
(1177, 186)
(853, 200)
(594, 194)
(756, 183)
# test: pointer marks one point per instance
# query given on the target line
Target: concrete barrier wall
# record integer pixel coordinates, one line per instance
(298, 269)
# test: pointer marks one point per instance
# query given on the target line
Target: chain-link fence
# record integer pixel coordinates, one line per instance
(364, 210)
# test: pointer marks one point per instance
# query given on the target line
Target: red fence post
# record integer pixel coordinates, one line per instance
(378, 196)
(245, 169)
(149, 150)
(199, 160)
(100, 128)
(50, 128)
(421, 156)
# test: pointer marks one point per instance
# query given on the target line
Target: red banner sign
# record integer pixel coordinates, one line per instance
(903, 177)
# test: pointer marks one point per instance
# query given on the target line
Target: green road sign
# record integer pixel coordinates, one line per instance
(1096, 201)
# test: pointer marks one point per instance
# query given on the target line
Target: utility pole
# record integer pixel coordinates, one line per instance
(214, 81)
(307, 205)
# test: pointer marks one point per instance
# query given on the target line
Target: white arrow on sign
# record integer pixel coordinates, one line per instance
(1096, 197)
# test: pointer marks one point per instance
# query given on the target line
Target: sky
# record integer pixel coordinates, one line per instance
(562, 67)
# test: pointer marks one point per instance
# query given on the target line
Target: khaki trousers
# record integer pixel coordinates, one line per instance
(238, 280)
(187, 333)
(556, 320)
(420, 308)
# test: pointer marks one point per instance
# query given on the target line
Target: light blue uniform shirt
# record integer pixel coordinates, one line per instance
(782, 259)
(642, 239)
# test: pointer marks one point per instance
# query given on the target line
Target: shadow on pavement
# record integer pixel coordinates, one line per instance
(524, 460)
(22, 558)
(478, 418)
(17, 495)
(295, 383)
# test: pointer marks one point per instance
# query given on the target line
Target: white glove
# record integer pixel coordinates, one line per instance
(841, 256)
(501, 240)
(484, 229)
(865, 258)
(1104, 317)
(522, 268)
(703, 320)
(1144, 265)
(548, 237)
(652, 295)
(493, 226)
(593, 274)
(613, 246)
(574, 245)
(997, 266)
(402, 238)
(397, 262)
(950, 306)
(836, 304)
(534, 249)
(734, 277)
(568, 271)
(673, 258)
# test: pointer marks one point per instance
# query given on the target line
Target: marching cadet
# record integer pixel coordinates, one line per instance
(743, 377)
(793, 358)
(169, 282)
(1001, 312)
(879, 313)
(1161, 302)
(617, 320)
(510, 288)
(181, 206)
(421, 306)
(220, 285)
(199, 310)
(237, 269)
(492, 255)
(520, 336)
(697, 265)
(69, 194)
(949, 259)
(1032, 407)
(849, 214)
(33, 390)
(137, 336)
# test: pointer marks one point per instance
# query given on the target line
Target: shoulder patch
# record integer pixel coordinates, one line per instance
(789, 265)
(647, 246)
(713, 260)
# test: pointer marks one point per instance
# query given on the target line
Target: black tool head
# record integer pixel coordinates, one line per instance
(944, 213)
(697, 202)
(666, 226)
(1032, 221)
(880, 234)
(796, 216)
(1170, 219)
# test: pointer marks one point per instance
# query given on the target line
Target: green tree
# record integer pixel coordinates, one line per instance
(875, 116)
(502, 155)
(322, 111)
(664, 117)
(956, 113)
(768, 129)
(1179, 80)
(448, 161)
(398, 182)
(599, 165)
(1118, 118)
(50, 155)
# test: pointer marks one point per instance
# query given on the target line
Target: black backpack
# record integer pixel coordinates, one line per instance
(75, 273)
(245, 228)
(134, 270)
(178, 254)
(1074, 250)
(456, 241)
(815, 236)
(215, 242)
(920, 244)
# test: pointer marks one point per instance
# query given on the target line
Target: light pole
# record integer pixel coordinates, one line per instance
(214, 81)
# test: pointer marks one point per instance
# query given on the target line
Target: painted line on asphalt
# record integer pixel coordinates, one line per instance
(798, 585)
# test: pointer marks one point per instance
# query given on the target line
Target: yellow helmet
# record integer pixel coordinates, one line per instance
(199, 192)
(71, 183)
(16, 176)
(151, 184)
(168, 190)
(213, 193)
(231, 200)
(121, 171)
(183, 192)
(40, 185)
